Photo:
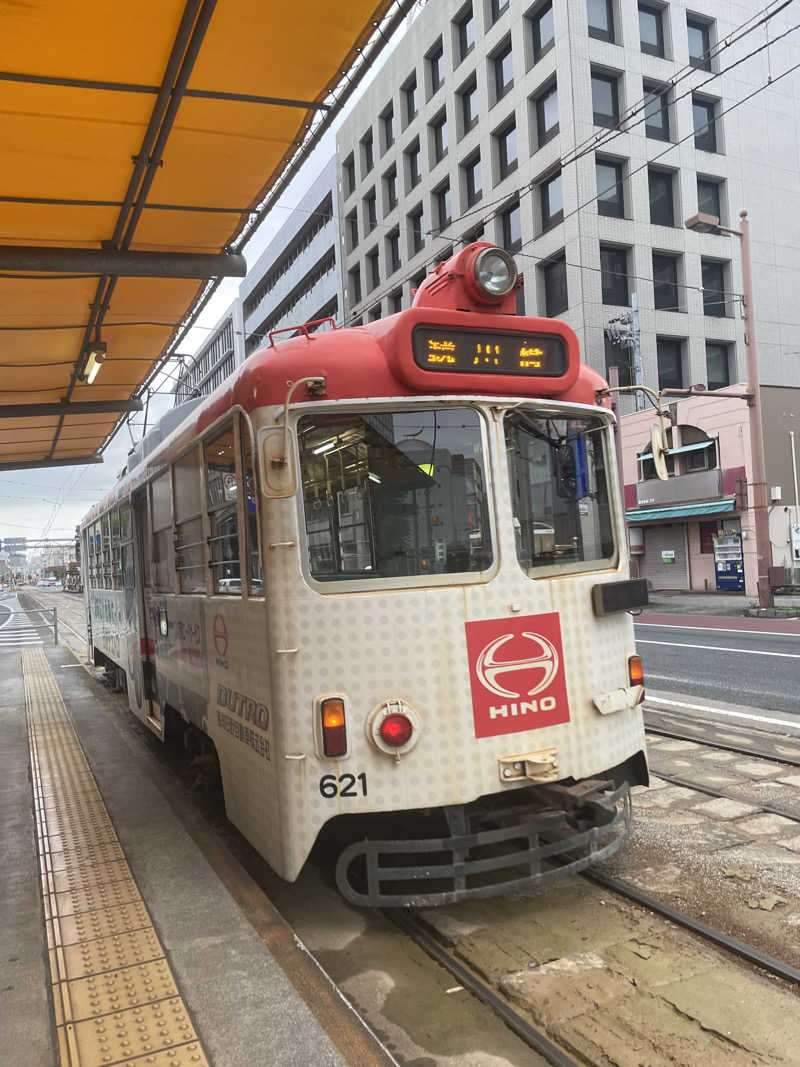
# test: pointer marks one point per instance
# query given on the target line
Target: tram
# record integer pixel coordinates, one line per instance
(382, 572)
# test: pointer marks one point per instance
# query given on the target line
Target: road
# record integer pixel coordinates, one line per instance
(751, 667)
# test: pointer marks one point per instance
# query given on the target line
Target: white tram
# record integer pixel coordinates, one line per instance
(383, 571)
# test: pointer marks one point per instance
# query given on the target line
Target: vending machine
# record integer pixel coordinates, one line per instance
(728, 565)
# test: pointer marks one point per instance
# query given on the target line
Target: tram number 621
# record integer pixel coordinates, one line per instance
(343, 785)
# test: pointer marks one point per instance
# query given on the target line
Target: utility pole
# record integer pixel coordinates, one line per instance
(638, 377)
(623, 332)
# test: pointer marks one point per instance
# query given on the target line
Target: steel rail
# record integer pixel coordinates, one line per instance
(520, 1026)
(710, 933)
(660, 732)
(685, 783)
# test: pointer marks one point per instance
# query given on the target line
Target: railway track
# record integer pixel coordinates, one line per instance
(689, 730)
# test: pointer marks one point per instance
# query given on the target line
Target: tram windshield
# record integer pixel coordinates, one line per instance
(559, 490)
(395, 493)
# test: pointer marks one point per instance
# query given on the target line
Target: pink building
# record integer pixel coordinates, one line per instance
(696, 530)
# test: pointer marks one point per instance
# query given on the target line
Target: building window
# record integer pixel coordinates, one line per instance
(554, 275)
(393, 251)
(651, 30)
(503, 65)
(547, 115)
(469, 105)
(390, 189)
(718, 368)
(614, 275)
(619, 357)
(354, 280)
(506, 139)
(413, 166)
(373, 270)
(387, 127)
(662, 205)
(465, 32)
(610, 189)
(605, 100)
(656, 112)
(367, 154)
(699, 43)
(601, 20)
(496, 8)
(705, 132)
(411, 99)
(670, 363)
(395, 302)
(665, 282)
(439, 137)
(349, 175)
(714, 303)
(473, 181)
(551, 201)
(436, 67)
(475, 234)
(416, 230)
(708, 531)
(542, 30)
(351, 230)
(370, 212)
(511, 227)
(441, 198)
(709, 199)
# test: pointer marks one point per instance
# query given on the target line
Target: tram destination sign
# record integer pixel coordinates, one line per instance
(464, 350)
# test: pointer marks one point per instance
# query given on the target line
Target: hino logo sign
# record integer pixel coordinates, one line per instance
(516, 674)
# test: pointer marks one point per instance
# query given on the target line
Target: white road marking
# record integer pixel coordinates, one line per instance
(715, 629)
(718, 648)
(721, 711)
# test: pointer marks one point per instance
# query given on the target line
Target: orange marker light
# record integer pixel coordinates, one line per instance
(334, 728)
(635, 670)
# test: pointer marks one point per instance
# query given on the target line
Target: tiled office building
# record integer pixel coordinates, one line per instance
(508, 112)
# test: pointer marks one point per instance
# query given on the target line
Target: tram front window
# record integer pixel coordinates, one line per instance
(395, 494)
(559, 491)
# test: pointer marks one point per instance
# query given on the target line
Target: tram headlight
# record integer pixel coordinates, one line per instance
(495, 272)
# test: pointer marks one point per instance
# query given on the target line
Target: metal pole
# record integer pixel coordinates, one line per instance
(794, 477)
(613, 381)
(765, 597)
(638, 377)
(55, 626)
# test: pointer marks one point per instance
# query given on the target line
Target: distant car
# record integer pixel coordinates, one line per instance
(230, 585)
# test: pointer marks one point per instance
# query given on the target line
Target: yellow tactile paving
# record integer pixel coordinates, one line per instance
(115, 998)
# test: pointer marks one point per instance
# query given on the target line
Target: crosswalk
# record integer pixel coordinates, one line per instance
(20, 630)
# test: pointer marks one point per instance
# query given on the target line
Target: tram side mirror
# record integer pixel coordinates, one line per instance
(278, 473)
(658, 446)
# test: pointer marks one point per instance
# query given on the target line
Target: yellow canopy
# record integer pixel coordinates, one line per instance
(153, 127)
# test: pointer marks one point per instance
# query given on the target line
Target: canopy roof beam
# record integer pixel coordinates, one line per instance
(77, 461)
(64, 408)
(123, 263)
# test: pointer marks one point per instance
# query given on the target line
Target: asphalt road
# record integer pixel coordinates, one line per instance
(760, 670)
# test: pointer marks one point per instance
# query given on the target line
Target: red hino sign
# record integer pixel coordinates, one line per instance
(516, 671)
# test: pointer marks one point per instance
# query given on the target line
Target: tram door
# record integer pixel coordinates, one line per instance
(146, 689)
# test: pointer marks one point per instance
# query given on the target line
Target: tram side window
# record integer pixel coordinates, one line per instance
(97, 576)
(222, 490)
(105, 526)
(116, 551)
(161, 522)
(393, 494)
(128, 575)
(559, 491)
(189, 524)
(255, 575)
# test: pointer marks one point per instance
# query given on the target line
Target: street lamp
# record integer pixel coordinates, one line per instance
(705, 223)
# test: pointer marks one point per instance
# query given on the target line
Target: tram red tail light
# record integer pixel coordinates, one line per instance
(334, 727)
(396, 730)
(635, 670)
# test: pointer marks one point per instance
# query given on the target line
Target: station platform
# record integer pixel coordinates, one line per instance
(121, 941)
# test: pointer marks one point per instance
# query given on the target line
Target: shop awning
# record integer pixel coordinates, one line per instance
(141, 144)
(681, 511)
(679, 451)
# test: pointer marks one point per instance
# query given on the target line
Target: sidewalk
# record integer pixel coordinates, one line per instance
(718, 604)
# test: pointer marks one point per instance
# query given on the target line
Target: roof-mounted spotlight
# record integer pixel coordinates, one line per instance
(94, 361)
(495, 273)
